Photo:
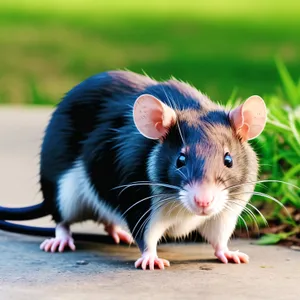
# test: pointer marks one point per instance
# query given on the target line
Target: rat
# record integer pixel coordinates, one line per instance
(148, 159)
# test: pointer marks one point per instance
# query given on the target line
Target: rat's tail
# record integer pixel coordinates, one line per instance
(50, 232)
(35, 212)
(23, 213)
(24, 229)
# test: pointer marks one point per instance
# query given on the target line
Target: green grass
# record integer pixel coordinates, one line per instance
(279, 150)
(218, 46)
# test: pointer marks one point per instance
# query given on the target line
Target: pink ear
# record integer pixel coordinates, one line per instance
(249, 119)
(152, 117)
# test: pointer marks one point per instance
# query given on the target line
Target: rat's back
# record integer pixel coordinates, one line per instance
(99, 103)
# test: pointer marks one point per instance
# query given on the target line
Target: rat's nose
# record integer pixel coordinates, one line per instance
(203, 201)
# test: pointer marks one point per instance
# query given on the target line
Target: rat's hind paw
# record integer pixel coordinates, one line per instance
(58, 244)
(118, 234)
(233, 256)
(151, 261)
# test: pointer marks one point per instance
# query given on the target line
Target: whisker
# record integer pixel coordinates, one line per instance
(180, 133)
(178, 170)
(171, 208)
(246, 226)
(147, 211)
(177, 123)
(242, 184)
(232, 177)
(158, 205)
(261, 181)
(184, 176)
(264, 195)
(280, 181)
(143, 225)
(145, 183)
(249, 213)
(147, 220)
(175, 207)
(255, 208)
(260, 213)
(144, 199)
(179, 212)
(239, 216)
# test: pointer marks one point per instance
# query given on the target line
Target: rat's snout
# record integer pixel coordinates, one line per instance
(203, 200)
(203, 196)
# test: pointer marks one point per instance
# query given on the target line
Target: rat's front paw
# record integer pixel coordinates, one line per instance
(118, 234)
(151, 261)
(226, 255)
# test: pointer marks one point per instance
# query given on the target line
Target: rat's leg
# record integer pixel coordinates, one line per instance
(146, 238)
(63, 238)
(218, 232)
(148, 247)
(118, 234)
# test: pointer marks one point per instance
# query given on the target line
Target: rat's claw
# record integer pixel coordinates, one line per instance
(62, 246)
(235, 256)
(71, 245)
(221, 256)
(145, 262)
(244, 258)
(55, 244)
(138, 262)
(151, 261)
(42, 245)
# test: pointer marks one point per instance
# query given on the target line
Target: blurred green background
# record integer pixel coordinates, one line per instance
(46, 47)
(227, 49)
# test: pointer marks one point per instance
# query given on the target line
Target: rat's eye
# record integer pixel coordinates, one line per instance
(228, 160)
(181, 161)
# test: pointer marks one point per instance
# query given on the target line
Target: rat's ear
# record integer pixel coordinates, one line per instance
(249, 119)
(152, 117)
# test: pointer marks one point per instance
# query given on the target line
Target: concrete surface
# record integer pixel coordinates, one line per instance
(97, 271)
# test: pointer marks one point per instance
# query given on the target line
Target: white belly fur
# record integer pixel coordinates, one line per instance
(182, 222)
(77, 200)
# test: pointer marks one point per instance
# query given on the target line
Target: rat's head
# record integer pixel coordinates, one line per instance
(202, 153)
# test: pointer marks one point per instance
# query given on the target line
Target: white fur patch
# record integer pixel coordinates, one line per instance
(183, 222)
(78, 201)
(219, 229)
(172, 220)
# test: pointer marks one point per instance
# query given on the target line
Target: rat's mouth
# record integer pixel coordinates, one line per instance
(206, 211)
(198, 211)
